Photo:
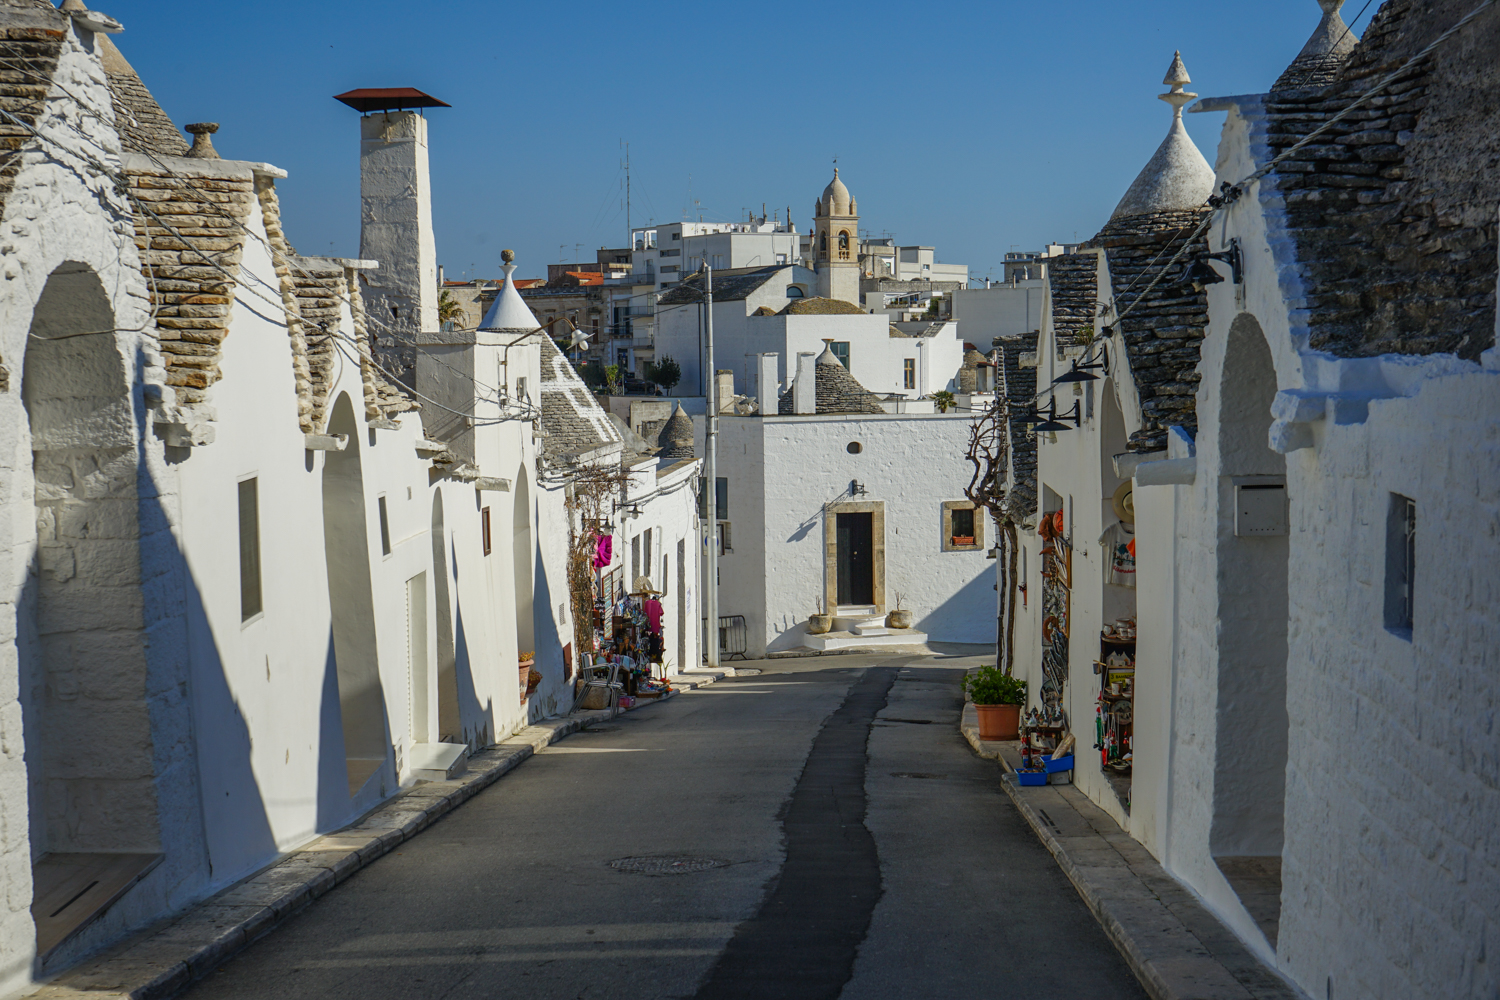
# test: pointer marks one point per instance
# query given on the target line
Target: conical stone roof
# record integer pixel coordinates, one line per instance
(835, 390)
(1177, 178)
(1325, 53)
(509, 312)
(678, 436)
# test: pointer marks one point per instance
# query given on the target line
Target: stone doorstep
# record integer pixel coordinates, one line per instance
(164, 960)
(1173, 944)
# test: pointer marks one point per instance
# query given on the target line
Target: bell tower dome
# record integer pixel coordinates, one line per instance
(836, 242)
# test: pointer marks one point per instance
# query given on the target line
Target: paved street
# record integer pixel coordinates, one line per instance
(941, 891)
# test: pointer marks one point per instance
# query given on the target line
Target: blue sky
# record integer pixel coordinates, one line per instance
(974, 128)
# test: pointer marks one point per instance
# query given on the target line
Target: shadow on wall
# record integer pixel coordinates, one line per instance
(555, 695)
(968, 616)
(478, 719)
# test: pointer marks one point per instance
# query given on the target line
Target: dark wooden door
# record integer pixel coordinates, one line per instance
(856, 558)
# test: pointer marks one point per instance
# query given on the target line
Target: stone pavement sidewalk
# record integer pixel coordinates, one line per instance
(163, 960)
(1173, 944)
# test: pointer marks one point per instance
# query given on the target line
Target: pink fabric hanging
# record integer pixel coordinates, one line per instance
(604, 551)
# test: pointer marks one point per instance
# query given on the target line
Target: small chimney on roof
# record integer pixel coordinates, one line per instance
(203, 147)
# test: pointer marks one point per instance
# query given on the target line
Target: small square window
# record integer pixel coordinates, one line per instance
(840, 350)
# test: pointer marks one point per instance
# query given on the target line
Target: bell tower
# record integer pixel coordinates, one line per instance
(836, 242)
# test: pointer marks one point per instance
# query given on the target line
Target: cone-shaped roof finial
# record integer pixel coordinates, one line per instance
(1178, 178)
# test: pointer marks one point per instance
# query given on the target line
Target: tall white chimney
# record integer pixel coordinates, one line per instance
(766, 387)
(805, 388)
(395, 190)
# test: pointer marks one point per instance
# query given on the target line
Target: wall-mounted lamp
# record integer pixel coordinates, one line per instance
(1054, 421)
(855, 489)
(1081, 373)
(1200, 273)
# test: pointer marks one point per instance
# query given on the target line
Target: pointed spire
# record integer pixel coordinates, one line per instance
(1176, 78)
(509, 311)
(1178, 178)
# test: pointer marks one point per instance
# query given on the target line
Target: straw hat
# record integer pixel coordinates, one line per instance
(1124, 503)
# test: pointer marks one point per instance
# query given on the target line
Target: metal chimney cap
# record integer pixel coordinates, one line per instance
(369, 99)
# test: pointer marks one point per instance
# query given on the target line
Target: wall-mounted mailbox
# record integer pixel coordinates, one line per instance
(1260, 508)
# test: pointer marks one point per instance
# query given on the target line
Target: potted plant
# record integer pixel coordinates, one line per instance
(997, 698)
(899, 617)
(819, 623)
(527, 659)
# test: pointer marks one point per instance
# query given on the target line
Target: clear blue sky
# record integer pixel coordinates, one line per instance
(973, 128)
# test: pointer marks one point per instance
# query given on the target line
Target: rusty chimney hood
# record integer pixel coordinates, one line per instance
(370, 99)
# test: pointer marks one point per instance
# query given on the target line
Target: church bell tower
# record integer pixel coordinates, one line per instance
(836, 242)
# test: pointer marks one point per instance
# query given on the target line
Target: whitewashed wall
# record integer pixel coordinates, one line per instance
(782, 470)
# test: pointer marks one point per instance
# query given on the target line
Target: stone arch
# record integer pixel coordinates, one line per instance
(81, 639)
(1251, 730)
(351, 604)
(523, 557)
(450, 722)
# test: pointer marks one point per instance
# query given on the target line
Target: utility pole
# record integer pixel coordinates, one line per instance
(629, 232)
(711, 471)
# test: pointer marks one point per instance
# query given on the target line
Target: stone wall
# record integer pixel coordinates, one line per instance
(1412, 173)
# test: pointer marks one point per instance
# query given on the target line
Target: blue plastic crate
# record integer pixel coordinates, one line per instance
(1031, 777)
(1061, 764)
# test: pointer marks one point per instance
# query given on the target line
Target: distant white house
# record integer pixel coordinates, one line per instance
(825, 500)
(768, 311)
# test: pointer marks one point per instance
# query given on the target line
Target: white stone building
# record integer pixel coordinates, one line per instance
(817, 504)
(256, 584)
(768, 311)
(1297, 422)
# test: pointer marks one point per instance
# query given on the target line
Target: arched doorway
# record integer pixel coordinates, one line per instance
(351, 603)
(1251, 742)
(450, 724)
(94, 826)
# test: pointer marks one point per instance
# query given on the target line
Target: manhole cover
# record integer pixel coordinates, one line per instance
(670, 865)
(915, 774)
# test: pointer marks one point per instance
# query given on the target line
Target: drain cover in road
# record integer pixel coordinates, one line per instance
(668, 865)
(915, 774)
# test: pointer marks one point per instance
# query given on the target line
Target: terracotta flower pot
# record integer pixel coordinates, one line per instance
(999, 722)
(818, 624)
(898, 619)
(525, 674)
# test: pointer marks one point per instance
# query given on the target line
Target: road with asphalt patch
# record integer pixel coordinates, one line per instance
(820, 830)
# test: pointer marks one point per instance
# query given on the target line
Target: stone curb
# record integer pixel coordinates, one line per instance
(1174, 945)
(161, 962)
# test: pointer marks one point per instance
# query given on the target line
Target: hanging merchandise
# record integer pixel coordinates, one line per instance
(604, 551)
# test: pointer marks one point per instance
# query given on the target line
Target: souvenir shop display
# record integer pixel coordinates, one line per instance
(1114, 713)
(628, 627)
(1046, 748)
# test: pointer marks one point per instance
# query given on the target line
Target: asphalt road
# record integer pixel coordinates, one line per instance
(858, 849)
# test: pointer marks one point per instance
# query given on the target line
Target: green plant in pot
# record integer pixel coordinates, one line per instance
(997, 698)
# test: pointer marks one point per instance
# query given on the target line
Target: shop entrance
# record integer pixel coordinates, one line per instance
(856, 562)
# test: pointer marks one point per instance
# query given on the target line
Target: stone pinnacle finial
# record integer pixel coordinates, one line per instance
(73, 5)
(1331, 6)
(203, 147)
(507, 255)
(1176, 78)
